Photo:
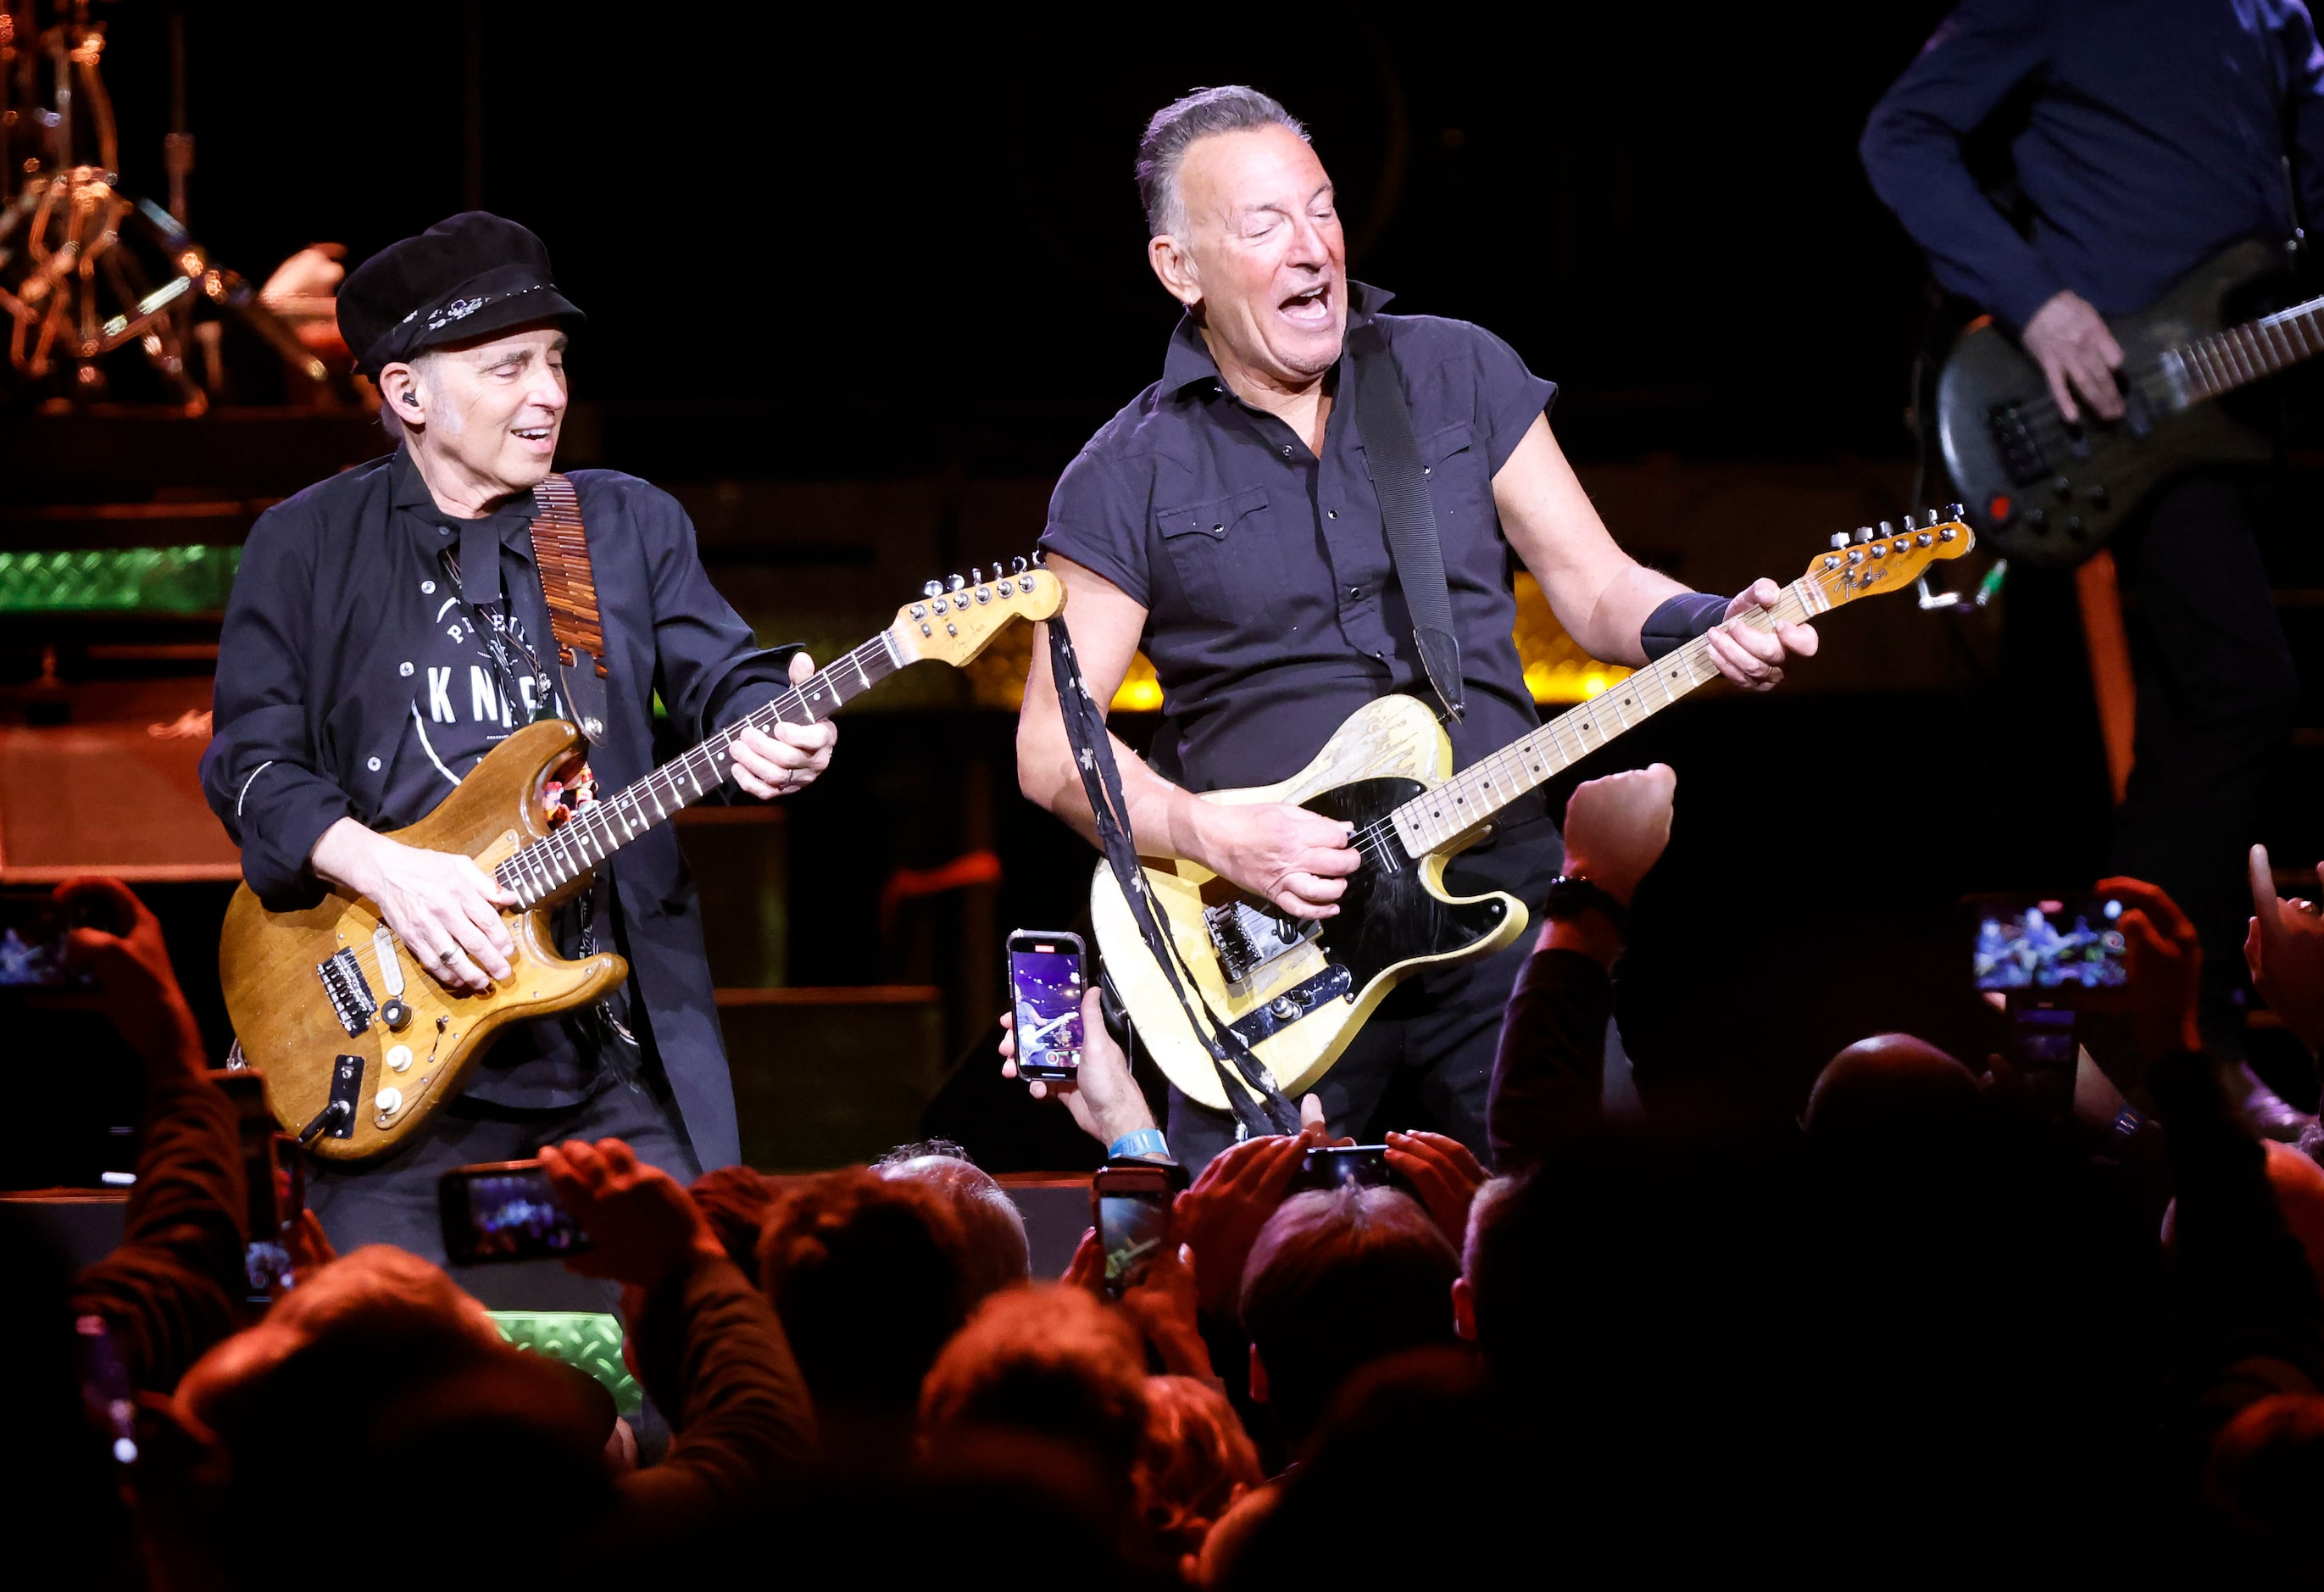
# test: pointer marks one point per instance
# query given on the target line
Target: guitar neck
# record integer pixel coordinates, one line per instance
(1456, 809)
(2226, 360)
(593, 833)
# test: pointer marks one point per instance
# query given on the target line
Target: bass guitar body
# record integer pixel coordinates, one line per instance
(1297, 991)
(311, 992)
(2048, 493)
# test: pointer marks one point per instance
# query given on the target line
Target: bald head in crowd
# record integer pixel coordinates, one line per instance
(1888, 1084)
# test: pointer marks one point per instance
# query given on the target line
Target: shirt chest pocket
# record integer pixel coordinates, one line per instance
(1461, 492)
(1227, 555)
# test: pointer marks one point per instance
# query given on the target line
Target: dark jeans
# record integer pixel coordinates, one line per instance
(394, 1201)
(1426, 1059)
(2217, 694)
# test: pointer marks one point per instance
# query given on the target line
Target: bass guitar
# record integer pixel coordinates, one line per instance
(1298, 991)
(2050, 492)
(360, 1045)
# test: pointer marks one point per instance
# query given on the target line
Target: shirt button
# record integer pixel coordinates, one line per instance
(427, 589)
(1286, 453)
(372, 765)
(443, 530)
(405, 670)
(1331, 513)
(1355, 591)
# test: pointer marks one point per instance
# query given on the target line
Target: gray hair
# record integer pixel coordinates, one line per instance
(1230, 108)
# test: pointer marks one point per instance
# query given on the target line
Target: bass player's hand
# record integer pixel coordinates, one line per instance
(2069, 339)
(445, 909)
(1286, 855)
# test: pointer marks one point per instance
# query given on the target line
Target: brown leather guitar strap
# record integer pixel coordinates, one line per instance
(560, 551)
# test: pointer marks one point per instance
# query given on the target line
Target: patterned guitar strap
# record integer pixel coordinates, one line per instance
(560, 551)
(1259, 1105)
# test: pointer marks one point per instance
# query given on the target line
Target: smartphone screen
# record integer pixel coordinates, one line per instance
(2050, 947)
(1333, 1166)
(32, 944)
(1133, 1221)
(1046, 986)
(504, 1211)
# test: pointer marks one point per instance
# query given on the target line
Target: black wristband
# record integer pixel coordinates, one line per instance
(1570, 895)
(1678, 621)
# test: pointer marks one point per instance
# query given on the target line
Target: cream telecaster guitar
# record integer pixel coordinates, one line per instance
(1297, 992)
(360, 1046)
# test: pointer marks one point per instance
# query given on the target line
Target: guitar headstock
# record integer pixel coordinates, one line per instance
(955, 619)
(1887, 559)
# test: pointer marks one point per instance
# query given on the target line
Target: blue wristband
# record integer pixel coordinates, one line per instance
(1140, 1142)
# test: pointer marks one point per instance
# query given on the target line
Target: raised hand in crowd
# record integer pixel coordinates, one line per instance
(1443, 1173)
(1102, 1097)
(1162, 1303)
(116, 939)
(2163, 969)
(1616, 827)
(1221, 1215)
(2284, 950)
(644, 1226)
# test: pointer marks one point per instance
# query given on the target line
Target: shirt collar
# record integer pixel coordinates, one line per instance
(410, 489)
(1189, 359)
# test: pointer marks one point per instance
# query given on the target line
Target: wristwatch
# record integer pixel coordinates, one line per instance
(1570, 894)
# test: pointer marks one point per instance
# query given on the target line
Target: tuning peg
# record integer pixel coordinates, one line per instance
(1017, 566)
(1864, 533)
(976, 574)
(1041, 556)
(956, 582)
(1956, 510)
(1887, 528)
(1839, 538)
(933, 588)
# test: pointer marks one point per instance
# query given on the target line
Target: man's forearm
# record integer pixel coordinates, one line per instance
(1164, 820)
(1610, 624)
(343, 857)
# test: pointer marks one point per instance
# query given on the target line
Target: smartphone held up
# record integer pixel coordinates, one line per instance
(504, 1210)
(1047, 978)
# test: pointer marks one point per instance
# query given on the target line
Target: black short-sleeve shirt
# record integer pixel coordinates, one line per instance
(1272, 609)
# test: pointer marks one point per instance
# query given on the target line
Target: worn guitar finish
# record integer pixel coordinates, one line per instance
(360, 1044)
(1299, 992)
(2048, 493)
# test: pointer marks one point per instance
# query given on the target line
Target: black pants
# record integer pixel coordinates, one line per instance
(2217, 694)
(394, 1201)
(1426, 1059)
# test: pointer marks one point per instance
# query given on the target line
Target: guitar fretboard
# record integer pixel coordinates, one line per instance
(594, 832)
(2226, 360)
(1444, 813)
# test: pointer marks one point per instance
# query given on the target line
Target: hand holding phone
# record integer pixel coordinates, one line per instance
(2051, 950)
(504, 1210)
(1131, 1209)
(644, 1227)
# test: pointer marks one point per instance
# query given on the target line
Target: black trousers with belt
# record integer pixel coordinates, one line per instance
(1426, 1059)
(2217, 694)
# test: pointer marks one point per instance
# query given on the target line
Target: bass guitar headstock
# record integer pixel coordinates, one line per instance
(1887, 559)
(955, 619)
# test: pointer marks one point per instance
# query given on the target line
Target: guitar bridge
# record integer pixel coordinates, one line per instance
(1248, 939)
(350, 991)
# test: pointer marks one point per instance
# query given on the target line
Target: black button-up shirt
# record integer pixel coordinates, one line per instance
(352, 682)
(1272, 609)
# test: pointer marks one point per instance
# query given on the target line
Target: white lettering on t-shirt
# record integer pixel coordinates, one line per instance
(525, 688)
(439, 694)
(484, 695)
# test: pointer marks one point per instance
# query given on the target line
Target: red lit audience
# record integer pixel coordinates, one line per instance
(1938, 1328)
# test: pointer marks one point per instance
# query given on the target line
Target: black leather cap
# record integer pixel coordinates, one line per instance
(460, 279)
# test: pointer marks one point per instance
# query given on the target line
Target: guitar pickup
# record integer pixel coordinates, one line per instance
(349, 991)
(2013, 436)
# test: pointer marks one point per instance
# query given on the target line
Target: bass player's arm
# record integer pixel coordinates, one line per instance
(1291, 857)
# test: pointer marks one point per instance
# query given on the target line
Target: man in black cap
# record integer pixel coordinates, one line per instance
(389, 628)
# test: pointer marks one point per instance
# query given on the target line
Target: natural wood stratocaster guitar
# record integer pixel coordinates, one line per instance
(360, 1045)
(1296, 991)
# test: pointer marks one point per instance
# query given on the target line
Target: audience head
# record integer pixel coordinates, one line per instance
(1194, 1461)
(1047, 1383)
(2266, 1475)
(865, 1273)
(736, 1200)
(1889, 1085)
(998, 1253)
(1337, 1279)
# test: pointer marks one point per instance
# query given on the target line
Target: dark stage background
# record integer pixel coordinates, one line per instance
(858, 289)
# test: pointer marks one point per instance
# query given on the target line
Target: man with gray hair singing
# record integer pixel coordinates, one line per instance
(1228, 522)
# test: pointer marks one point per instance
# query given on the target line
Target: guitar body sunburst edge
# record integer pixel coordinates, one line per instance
(1394, 922)
(280, 1009)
